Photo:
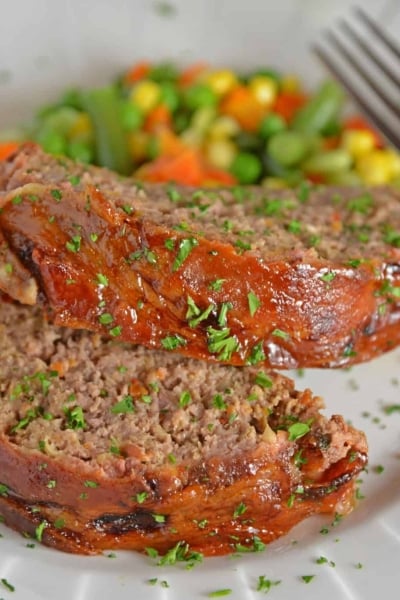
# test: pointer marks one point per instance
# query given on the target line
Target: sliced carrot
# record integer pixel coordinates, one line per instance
(159, 117)
(213, 177)
(356, 122)
(191, 74)
(169, 143)
(288, 103)
(185, 168)
(137, 72)
(7, 148)
(243, 106)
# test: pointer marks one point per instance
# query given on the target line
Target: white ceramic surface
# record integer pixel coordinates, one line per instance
(44, 47)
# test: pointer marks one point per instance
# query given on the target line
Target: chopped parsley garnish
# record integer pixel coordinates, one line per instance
(263, 380)
(392, 408)
(115, 331)
(222, 317)
(3, 489)
(39, 530)
(279, 333)
(257, 354)
(254, 303)
(17, 199)
(362, 204)
(106, 319)
(170, 342)
(216, 285)
(75, 417)
(219, 402)
(90, 484)
(328, 277)
(141, 497)
(127, 209)
(297, 430)
(159, 518)
(74, 179)
(185, 247)
(57, 195)
(239, 510)
(256, 546)
(173, 194)
(195, 315)
(102, 279)
(184, 399)
(7, 585)
(220, 342)
(294, 227)
(179, 553)
(169, 244)
(123, 406)
(220, 593)
(264, 584)
(307, 578)
(74, 244)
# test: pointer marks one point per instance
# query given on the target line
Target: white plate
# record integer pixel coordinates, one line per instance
(365, 546)
(47, 45)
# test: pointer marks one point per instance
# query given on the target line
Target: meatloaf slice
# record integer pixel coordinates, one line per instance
(107, 445)
(288, 279)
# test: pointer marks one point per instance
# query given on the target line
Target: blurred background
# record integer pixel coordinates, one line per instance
(48, 45)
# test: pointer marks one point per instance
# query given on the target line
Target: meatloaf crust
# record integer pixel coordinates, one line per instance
(105, 445)
(284, 278)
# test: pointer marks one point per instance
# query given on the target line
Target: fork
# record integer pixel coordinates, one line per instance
(367, 65)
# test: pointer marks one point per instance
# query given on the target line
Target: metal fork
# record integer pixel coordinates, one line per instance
(366, 61)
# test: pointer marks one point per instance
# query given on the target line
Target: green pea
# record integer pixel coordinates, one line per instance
(131, 116)
(51, 141)
(200, 95)
(271, 124)
(169, 95)
(288, 148)
(246, 167)
(80, 151)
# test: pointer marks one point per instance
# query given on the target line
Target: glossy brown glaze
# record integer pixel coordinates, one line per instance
(200, 512)
(312, 309)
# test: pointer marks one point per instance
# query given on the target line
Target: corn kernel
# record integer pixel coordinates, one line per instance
(192, 137)
(82, 126)
(358, 142)
(146, 95)
(138, 142)
(264, 88)
(394, 161)
(274, 183)
(202, 118)
(223, 127)
(290, 83)
(221, 82)
(375, 167)
(220, 153)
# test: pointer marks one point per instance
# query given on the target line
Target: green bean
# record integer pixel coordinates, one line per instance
(332, 161)
(321, 110)
(103, 107)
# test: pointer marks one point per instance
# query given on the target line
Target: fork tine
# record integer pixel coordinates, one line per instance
(377, 60)
(362, 72)
(370, 111)
(378, 31)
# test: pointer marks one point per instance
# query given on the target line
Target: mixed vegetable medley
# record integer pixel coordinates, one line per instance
(207, 126)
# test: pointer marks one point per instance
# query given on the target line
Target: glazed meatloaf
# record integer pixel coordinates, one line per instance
(285, 279)
(107, 445)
